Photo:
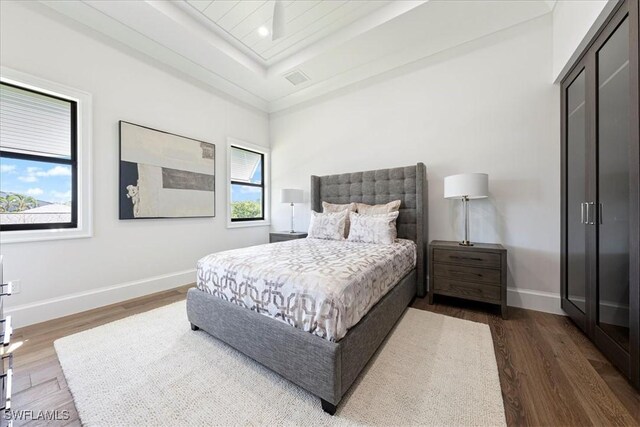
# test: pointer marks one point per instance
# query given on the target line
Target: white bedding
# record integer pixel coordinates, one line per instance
(321, 286)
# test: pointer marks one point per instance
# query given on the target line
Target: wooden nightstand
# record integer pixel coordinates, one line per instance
(477, 272)
(283, 236)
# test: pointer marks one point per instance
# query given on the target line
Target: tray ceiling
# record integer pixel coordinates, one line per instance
(332, 43)
(249, 22)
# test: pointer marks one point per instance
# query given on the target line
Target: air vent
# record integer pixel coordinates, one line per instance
(296, 77)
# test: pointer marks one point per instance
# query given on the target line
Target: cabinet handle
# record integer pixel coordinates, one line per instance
(582, 213)
(7, 377)
(586, 216)
(8, 330)
(600, 213)
(589, 219)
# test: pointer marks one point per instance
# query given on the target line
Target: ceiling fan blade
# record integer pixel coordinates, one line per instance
(278, 22)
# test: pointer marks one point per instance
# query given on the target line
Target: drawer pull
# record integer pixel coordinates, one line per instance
(468, 258)
(455, 288)
(468, 273)
(8, 330)
(465, 257)
(464, 273)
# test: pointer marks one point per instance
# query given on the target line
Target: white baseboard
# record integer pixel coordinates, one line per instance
(548, 302)
(41, 311)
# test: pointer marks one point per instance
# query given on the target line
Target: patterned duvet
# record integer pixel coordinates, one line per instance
(321, 286)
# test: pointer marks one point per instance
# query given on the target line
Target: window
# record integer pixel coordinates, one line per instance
(44, 159)
(38, 160)
(247, 184)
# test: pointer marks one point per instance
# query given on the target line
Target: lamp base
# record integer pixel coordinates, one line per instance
(465, 243)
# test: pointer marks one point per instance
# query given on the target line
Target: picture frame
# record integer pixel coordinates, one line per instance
(164, 175)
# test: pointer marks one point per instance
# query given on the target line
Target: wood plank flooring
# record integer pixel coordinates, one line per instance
(550, 372)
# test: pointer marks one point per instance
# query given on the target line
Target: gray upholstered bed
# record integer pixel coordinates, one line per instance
(322, 367)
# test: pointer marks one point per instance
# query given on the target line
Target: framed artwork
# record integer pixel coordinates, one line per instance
(163, 175)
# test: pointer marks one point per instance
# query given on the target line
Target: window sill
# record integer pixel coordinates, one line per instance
(243, 224)
(24, 236)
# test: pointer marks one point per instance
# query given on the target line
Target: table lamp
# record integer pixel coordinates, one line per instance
(291, 195)
(466, 186)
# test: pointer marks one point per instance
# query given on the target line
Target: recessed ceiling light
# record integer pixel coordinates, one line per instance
(263, 31)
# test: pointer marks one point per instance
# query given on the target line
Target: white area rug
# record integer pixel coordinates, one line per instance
(151, 369)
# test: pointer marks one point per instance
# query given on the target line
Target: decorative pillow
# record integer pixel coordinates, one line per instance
(380, 228)
(364, 209)
(328, 225)
(332, 207)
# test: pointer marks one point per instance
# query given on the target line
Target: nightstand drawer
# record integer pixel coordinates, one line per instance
(489, 293)
(284, 236)
(477, 272)
(467, 274)
(473, 258)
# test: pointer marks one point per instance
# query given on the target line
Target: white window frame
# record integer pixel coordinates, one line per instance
(266, 177)
(84, 156)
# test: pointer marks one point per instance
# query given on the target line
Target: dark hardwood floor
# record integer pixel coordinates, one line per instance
(550, 373)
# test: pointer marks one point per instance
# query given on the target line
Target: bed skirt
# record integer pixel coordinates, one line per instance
(326, 369)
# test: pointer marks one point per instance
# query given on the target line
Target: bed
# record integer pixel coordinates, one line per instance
(324, 357)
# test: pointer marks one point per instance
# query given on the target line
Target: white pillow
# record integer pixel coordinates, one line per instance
(332, 207)
(378, 209)
(379, 228)
(328, 225)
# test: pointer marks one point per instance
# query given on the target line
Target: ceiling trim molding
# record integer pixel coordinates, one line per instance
(95, 20)
(379, 70)
(376, 18)
(390, 37)
(602, 17)
(551, 4)
(251, 60)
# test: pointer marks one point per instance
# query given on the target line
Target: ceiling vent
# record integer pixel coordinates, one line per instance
(296, 77)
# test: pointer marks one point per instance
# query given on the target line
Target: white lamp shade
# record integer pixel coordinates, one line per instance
(291, 195)
(472, 185)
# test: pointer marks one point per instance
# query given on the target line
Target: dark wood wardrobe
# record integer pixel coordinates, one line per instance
(600, 217)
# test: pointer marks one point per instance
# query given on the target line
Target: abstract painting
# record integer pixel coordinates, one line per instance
(163, 175)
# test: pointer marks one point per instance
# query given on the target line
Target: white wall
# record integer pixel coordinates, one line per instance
(574, 24)
(125, 257)
(488, 106)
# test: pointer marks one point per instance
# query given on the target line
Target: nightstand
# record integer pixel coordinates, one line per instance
(477, 272)
(283, 236)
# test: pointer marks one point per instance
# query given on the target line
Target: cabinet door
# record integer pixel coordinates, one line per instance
(613, 185)
(575, 187)
(616, 301)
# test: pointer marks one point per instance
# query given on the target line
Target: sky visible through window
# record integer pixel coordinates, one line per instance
(242, 193)
(45, 182)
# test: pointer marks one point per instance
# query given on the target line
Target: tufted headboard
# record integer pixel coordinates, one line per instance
(409, 184)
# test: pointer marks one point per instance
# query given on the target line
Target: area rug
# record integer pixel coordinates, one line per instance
(151, 369)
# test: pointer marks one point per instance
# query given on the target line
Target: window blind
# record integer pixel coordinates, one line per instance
(244, 164)
(34, 123)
